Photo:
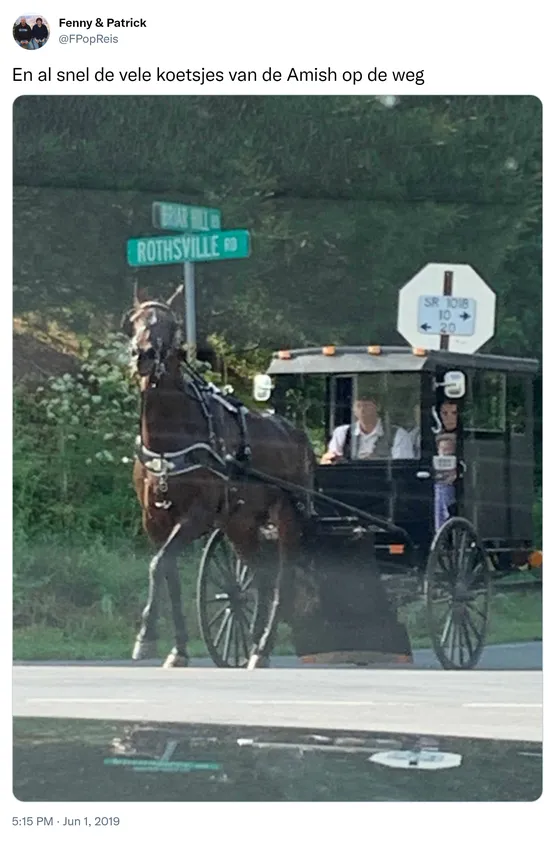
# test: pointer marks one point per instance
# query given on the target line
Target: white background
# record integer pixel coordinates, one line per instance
(485, 47)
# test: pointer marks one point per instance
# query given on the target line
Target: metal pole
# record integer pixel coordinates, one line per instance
(190, 313)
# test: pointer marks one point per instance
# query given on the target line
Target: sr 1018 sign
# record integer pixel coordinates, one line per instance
(446, 315)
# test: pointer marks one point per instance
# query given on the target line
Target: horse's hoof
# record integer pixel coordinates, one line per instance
(174, 659)
(258, 662)
(253, 662)
(144, 650)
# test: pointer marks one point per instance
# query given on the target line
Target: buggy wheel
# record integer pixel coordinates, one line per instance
(458, 595)
(227, 601)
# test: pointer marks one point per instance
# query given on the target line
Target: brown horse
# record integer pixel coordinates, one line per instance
(186, 483)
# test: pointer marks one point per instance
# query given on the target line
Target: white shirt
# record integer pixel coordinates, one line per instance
(363, 444)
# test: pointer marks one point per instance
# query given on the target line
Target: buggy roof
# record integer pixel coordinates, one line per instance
(359, 359)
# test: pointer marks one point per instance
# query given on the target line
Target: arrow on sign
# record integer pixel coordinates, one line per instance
(465, 316)
(425, 326)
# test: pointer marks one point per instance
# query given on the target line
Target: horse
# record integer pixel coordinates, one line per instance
(190, 475)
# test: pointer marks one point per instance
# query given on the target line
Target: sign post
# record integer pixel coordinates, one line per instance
(190, 311)
(200, 240)
(447, 307)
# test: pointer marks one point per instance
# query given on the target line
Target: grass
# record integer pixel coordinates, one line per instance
(515, 617)
(83, 602)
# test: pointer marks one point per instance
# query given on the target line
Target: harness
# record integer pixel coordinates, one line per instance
(211, 455)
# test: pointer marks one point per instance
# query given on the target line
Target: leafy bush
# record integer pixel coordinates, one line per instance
(73, 448)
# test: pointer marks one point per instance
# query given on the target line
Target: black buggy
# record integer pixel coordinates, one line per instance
(373, 521)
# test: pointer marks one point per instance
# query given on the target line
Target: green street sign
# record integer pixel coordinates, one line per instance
(170, 216)
(188, 248)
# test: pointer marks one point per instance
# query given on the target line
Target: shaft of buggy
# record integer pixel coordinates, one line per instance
(383, 523)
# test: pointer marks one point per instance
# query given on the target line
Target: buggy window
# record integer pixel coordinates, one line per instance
(516, 404)
(485, 412)
(398, 399)
(304, 401)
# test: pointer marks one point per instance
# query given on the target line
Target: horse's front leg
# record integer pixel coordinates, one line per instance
(146, 642)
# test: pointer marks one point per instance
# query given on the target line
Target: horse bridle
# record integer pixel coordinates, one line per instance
(159, 357)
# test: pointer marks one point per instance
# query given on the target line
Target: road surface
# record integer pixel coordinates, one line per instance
(499, 703)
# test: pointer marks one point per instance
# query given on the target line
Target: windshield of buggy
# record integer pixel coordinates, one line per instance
(386, 403)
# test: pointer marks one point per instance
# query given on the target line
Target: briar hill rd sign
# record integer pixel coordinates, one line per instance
(188, 248)
(170, 216)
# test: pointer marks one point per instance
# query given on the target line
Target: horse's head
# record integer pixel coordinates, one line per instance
(155, 335)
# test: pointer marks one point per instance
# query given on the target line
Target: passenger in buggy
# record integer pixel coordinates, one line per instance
(367, 437)
(445, 496)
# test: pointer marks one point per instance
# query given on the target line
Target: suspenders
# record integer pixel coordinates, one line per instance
(381, 450)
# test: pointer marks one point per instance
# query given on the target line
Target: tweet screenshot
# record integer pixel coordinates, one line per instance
(275, 419)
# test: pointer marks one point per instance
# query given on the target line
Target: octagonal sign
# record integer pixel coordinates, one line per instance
(447, 306)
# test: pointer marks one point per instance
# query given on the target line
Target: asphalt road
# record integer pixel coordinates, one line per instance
(505, 656)
(500, 702)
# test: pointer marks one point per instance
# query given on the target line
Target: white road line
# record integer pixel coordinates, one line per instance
(324, 702)
(89, 701)
(501, 705)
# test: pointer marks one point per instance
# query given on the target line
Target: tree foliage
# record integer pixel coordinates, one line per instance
(346, 199)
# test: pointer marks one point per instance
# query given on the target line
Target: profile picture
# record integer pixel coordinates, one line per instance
(31, 31)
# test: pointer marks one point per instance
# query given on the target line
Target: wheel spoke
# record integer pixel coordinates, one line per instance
(227, 640)
(236, 641)
(446, 628)
(217, 615)
(467, 635)
(247, 581)
(477, 611)
(453, 643)
(472, 626)
(225, 621)
(226, 575)
(220, 597)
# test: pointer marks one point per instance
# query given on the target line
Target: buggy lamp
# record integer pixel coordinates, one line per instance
(284, 355)
(374, 349)
(535, 559)
(328, 350)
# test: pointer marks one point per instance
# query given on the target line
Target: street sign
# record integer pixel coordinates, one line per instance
(170, 216)
(188, 248)
(447, 306)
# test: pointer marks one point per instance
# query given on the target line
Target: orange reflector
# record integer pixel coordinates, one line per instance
(328, 350)
(284, 355)
(374, 349)
(535, 559)
(419, 352)
(396, 549)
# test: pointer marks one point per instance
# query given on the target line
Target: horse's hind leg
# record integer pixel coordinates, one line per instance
(265, 627)
(263, 580)
(288, 542)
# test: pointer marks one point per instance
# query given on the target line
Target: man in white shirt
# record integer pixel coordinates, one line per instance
(366, 438)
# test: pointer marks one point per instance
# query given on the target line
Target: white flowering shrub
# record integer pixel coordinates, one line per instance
(74, 440)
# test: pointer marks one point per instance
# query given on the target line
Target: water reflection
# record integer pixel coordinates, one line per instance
(75, 760)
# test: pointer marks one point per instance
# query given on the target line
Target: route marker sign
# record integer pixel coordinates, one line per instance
(188, 248)
(448, 307)
(170, 216)
(439, 314)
